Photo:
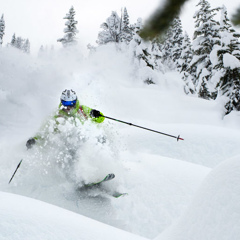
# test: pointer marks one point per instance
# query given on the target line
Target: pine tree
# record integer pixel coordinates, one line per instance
(111, 30)
(41, 51)
(229, 37)
(126, 31)
(69, 39)
(156, 52)
(116, 29)
(167, 46)
(172, 44)
(26, 46)
(141, 52)
(13, 41)
(228, 63)
(2, 29)
(19, 43)
(184, 62)
(186, 53)
(206, 37)
(141, 48)
(91, 48)
(177, 41)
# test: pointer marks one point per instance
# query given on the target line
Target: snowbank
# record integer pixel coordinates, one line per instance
(25, 218)
(215, 211)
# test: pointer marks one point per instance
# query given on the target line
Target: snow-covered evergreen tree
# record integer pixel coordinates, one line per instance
(41, 51)
(206, 37)
(172, 44)
(19, 43)
(69, 38)
(186, 53)
(26, 46)
(229, 36)
(111, 30)
(116, 29)
(2, 29)
(91, 48)
(167, 46)
(13, 41)
(184, 62)
(141, 52)
(126, 30)
(227, 63)
(156, 52)
(136, 27)
(177, 41)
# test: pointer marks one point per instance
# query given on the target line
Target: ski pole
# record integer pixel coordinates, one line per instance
(15, 171)
(148, 129)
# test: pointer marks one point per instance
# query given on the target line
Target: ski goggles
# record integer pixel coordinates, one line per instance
(68, 103)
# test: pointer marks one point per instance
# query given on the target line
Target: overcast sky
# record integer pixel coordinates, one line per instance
(42, 21)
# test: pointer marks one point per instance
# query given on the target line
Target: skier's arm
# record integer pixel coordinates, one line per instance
(32, 141)
(39, 136)
(95, 115)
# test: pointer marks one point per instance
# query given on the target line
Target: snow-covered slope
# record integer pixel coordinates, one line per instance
(215, 210)
(25, 218)
(160, 175)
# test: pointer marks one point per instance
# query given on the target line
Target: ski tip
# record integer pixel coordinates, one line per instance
(117, 195)
(109, 177)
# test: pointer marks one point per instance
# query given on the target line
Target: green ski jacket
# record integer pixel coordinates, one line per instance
(80, 111)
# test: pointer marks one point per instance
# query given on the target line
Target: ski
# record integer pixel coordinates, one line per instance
(97, 185)
(109, 177)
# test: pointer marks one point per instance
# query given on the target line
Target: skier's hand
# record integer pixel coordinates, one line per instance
(95, 113)
(30, 143)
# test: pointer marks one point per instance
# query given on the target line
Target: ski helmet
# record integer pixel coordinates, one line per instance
(68, 98)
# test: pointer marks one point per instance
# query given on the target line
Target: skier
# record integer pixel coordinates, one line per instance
(70, 107)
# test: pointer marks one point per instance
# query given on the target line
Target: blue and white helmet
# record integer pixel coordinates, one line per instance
(68, 98)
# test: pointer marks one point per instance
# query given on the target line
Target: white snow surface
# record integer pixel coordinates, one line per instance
(38, 220)
(218, 218)
(176, 189)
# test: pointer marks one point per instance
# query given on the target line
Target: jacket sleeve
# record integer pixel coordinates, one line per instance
(87, 111)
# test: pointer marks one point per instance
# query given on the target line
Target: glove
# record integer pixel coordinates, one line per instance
(30, 143)
(95, 113)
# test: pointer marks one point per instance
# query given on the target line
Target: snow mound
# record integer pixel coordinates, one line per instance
(215, 211)
(25, 218)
